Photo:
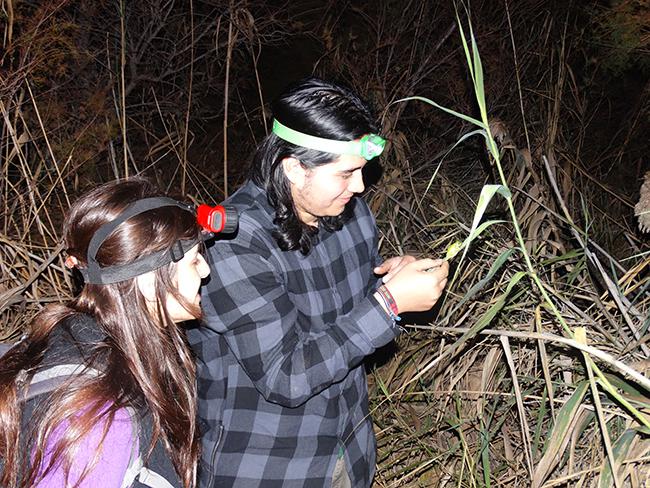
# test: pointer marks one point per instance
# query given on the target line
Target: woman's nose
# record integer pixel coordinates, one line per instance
(204, 268)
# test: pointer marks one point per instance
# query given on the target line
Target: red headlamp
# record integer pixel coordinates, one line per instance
(217, 219)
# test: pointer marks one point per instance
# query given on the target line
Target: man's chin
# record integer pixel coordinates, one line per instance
(340, 207)
(336, 209)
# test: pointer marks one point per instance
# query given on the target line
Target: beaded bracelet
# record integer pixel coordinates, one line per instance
(389, 301)
(394, 318)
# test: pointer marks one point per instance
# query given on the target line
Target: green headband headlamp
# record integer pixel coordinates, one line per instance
(368, 147)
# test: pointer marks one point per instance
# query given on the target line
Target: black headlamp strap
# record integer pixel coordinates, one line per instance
(150, 262)
(94, 274)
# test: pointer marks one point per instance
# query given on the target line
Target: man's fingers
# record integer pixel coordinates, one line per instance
(428, 263)
(393, 272)
(386, 266)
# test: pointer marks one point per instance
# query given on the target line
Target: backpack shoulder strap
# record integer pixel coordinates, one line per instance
(136, 470)
(49, 379)
(135, 462)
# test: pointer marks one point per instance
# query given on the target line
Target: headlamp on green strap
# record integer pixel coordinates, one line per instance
(368, 147)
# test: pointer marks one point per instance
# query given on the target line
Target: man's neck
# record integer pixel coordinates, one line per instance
(304, 216)
(308, 219)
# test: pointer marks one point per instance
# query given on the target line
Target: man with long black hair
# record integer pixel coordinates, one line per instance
(295, 303)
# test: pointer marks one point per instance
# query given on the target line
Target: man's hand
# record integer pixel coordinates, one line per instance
(419, 284)
(392, 266)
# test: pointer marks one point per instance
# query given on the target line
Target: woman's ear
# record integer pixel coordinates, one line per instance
(295, 172)
(147, 285)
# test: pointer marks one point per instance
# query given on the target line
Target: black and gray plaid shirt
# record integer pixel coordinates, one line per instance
(282, 386)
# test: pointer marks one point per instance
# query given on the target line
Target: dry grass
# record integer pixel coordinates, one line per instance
(531, 371)
(554, 393)
(493, 393)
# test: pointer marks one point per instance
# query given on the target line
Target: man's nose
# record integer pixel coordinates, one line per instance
(356, 182)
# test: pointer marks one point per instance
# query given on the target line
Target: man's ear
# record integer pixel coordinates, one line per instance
(295, 172)
(147, 285)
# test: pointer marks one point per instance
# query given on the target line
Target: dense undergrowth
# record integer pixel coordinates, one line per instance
(532, 369)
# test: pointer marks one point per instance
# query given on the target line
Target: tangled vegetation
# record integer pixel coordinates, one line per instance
(533, 369)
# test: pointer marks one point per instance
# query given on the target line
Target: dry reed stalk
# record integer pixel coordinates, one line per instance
(453, 407)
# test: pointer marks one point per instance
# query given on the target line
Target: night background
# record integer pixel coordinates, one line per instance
(531, 370)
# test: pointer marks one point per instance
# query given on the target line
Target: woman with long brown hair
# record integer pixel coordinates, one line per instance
(101, 391)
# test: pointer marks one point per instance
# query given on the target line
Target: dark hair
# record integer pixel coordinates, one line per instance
(322, 109)
(144, 362)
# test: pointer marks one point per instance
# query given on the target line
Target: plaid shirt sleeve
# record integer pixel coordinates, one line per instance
(287, 357)
(375, 257)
